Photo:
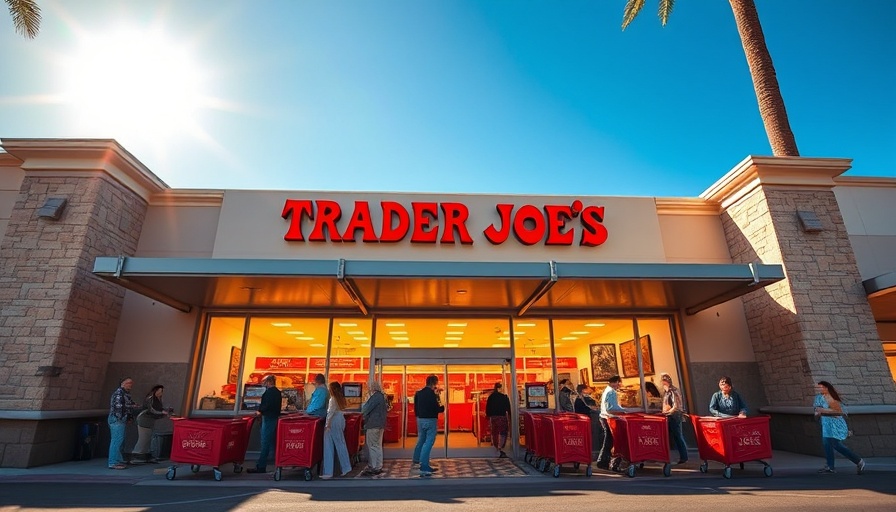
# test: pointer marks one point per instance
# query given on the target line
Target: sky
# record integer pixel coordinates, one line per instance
(449, 96)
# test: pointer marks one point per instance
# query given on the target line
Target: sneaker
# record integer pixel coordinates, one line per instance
(326, 477)
(415, 464)
(425, 473)
(860, 467)
(503, 455)
(682, 461)
(429, 469)
(826, 470)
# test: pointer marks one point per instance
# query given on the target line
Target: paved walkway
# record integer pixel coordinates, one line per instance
(399, 472)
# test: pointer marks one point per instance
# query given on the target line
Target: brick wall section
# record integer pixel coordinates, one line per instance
(816, 324)
(53, 310)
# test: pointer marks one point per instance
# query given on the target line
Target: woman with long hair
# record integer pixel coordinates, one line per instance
(146, 420)
(334, 433)
(833, 427)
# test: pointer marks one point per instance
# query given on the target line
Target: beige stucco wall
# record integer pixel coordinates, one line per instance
(173, 231)
(694, 239)
(867, 208)
(251, 226)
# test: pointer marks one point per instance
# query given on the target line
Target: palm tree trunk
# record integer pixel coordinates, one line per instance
(765, 82)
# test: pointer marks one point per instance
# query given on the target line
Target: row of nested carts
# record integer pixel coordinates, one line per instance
(218, 441)
(555, 439)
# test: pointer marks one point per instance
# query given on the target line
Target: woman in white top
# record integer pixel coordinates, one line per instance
(334, 433)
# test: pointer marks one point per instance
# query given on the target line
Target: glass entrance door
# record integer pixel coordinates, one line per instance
(463, 389)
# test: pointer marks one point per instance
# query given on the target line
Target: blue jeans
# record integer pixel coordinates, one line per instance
(426, 437)
(675, 433)
(116, 428)
(831, 444)
(334, 441)
(268, 438)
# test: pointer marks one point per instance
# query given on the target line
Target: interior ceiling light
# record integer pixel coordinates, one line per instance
(525, 325)
(361, 338)
(452, 338)
(595, 325)
(397, 324)
(356, 333)
(281, 324)
(316, 345)
(397, 333)
(305, 338)
(295, 332)
(569, 338)
(450, 345)
(399, 338)
(457, 324)
(348, 324)
(455, 333)
(365, 345)
(461, 292)
(403, 345)
(500, 345)
(579, 333)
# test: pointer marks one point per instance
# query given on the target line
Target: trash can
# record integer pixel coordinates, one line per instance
(85, 447)
(161, 445)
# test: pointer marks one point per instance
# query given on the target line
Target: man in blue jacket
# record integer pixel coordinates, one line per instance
(317, 406)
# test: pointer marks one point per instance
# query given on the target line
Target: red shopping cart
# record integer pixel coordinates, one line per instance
(531, 437)
(734, 441)
(640, 438)
(209, 442)
(353, 436)
(300, 443)
(571, 441)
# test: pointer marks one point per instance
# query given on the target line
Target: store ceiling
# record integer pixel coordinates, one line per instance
(389, 287)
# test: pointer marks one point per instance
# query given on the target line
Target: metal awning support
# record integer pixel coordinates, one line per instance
(540, 291)
(351, 289)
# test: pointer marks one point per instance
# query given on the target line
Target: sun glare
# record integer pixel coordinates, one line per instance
(131, 83)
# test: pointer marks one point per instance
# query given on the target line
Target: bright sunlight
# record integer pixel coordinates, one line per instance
(131, 83)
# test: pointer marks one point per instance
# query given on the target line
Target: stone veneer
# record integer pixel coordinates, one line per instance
(817, 323)
(54, 311)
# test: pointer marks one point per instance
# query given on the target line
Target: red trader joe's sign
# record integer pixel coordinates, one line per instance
(444, 223)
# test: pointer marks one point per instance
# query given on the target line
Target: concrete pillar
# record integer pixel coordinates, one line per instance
(57, 320)
(817, 323)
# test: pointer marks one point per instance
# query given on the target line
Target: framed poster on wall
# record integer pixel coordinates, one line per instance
(233, 372)
(603, 362)
(629, 357)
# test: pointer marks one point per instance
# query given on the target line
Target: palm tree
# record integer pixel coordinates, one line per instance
(25, 16)
(765, 82)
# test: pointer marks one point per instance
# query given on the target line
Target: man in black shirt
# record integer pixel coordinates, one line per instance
(269, 410)
(427, 408)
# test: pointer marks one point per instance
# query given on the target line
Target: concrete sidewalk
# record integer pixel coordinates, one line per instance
(466, 471)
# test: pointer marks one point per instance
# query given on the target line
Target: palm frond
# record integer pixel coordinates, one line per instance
(632, 8)
(665, 10)
(25, 16)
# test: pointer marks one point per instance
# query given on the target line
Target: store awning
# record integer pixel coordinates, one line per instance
(881, 292)
(341, 286)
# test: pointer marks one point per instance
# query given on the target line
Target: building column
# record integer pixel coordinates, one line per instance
(817, 323)
(57, 320)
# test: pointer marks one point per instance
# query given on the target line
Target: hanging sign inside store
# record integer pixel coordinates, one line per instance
(281, 363)
(445, 223)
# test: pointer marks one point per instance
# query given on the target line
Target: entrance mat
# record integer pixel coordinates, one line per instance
(451, 468)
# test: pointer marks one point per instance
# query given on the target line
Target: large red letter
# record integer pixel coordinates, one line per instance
(328, 214)
(557, 217)
(296, 209)
(594, 232)
(493, 234)
(425, 230)
(360, 220)
(527, 236)
(391, 210)
(456, 215)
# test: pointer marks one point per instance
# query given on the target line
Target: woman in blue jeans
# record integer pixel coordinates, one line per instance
(121, 411)
(673, 408)
(833, 427)
(334, 433)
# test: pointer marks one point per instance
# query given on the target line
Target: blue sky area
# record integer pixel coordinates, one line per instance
(475, 96)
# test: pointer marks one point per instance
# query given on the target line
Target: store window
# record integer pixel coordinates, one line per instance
(590, 350)
(659, 356)
(532, 356)
(442, 333)
(890, 353)
(220, 369)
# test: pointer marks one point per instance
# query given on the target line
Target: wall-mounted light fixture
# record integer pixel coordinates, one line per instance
(52, 208)
(809, 221)
(48, 371)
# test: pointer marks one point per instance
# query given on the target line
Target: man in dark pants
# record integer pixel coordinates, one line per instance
(269, 410)
(427, 408)
(609, 404)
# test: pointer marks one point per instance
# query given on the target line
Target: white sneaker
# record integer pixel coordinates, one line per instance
(326, 477)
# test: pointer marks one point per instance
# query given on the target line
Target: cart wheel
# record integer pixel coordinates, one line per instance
(542, 465)
(237, 468)
(588, 470)
(727, 472)
(527, 458)
(194, 468)
(308, 475)
(631, 471)
(557, 471)
(218, 475)
(172, 472)
(575, 466)
(278, 474)
(767, 470)
(741, 465)
(667, 469)
(704, 467)
(641, 466)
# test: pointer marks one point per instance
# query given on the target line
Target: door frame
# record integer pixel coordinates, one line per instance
(451, 357)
